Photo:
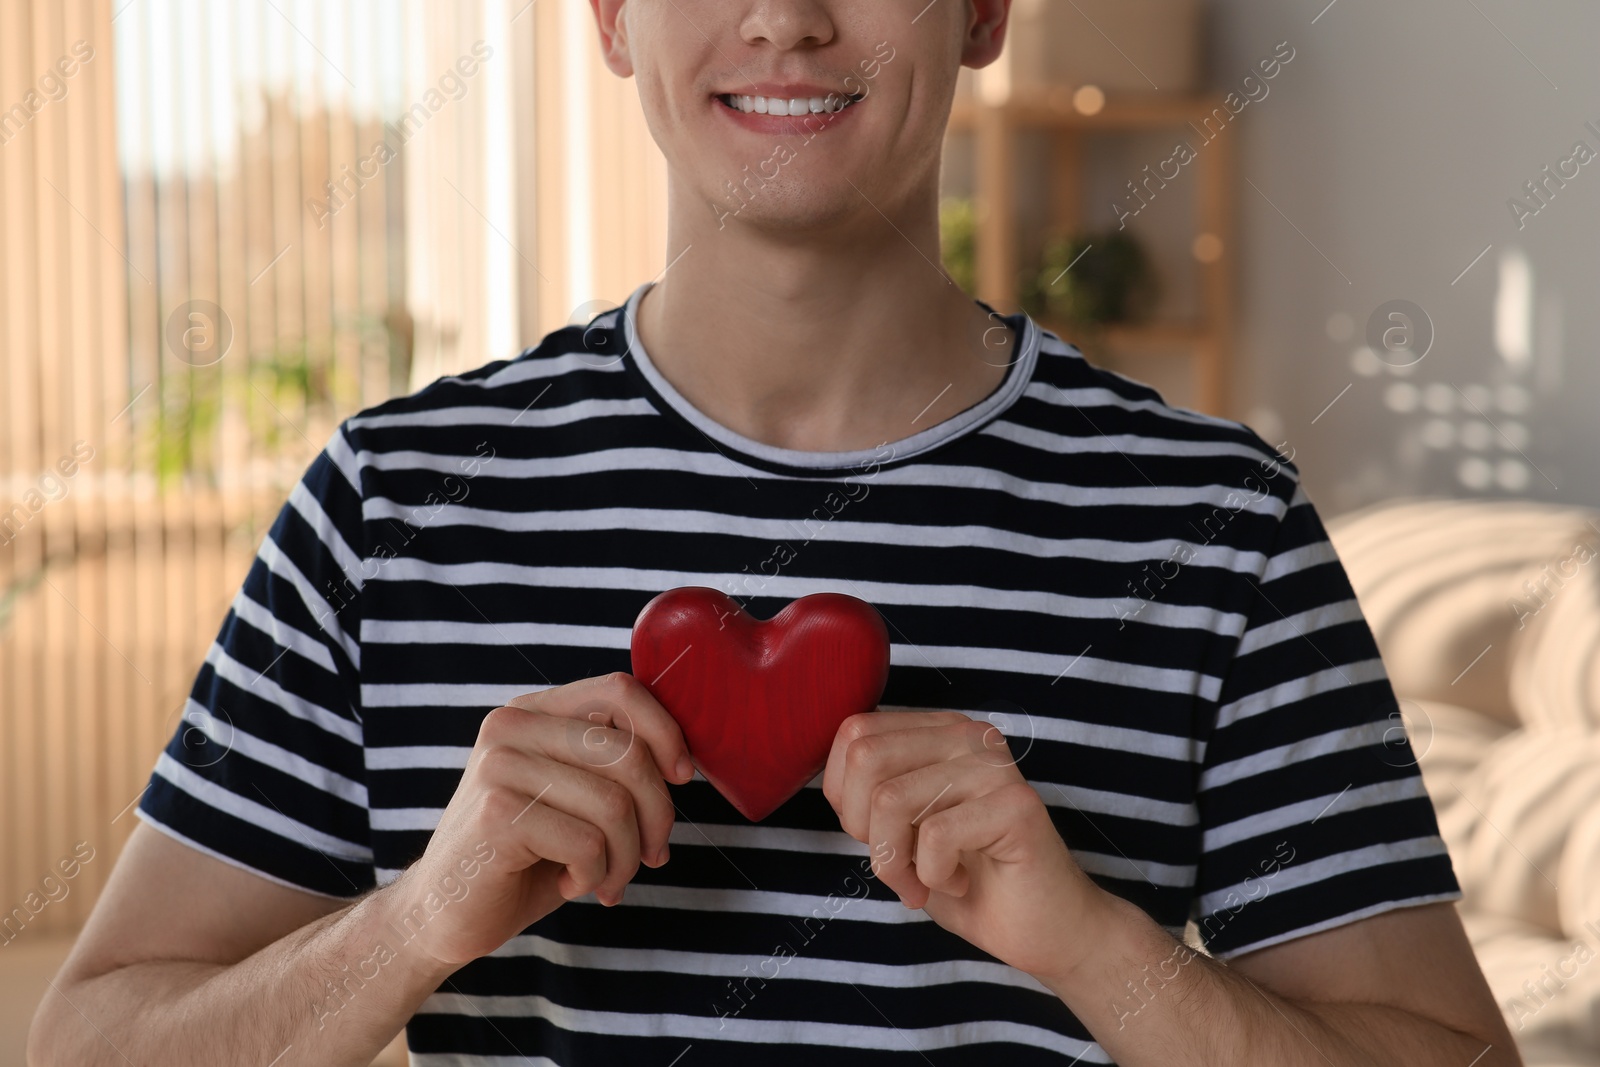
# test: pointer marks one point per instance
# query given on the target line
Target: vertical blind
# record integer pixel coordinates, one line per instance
(224, 227)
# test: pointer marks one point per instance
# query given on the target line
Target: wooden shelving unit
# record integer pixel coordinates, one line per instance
(995, 120)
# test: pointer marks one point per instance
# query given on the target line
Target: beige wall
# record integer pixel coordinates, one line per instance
(1394, 142)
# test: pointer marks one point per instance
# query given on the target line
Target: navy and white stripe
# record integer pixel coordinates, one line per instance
(1141, 597)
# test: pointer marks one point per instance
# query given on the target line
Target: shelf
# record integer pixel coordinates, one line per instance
(1052, 108)
(996, 129)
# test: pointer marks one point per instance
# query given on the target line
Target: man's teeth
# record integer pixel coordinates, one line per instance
(800, 105)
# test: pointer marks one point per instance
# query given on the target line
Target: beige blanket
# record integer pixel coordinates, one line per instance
(1488, 617)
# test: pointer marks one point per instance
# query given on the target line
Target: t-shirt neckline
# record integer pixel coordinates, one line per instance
(1018, 375)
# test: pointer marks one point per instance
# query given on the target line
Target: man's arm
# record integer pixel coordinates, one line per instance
(1400, 988)
(187, 959)
(956, 830)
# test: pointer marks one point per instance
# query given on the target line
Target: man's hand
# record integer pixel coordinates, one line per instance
(566, 787)
(954, 829)
(562, 795)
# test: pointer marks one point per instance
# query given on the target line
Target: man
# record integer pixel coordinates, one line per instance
(1126, 618)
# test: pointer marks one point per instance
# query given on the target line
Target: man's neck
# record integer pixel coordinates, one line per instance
(839, 340)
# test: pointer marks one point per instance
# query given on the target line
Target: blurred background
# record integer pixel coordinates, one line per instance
(1365, 229)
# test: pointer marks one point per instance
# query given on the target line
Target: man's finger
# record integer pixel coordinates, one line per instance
(899, 807)
(870, 724)
(987, 824)
(600, 753)
(552, 784)
(622, 758)
(621, 701)
(548, 833)
(868, 761)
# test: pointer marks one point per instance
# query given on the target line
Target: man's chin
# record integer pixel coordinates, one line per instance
(787, 214)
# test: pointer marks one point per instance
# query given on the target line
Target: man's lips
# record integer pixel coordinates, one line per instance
(788, 113)
(787, 90)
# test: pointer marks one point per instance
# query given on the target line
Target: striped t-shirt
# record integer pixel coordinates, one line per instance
(1141, 597)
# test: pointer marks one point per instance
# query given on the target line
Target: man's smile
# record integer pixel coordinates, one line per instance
(772, 108)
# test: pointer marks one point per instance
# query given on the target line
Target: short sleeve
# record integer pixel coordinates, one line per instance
(1312, 809)
(266, 768)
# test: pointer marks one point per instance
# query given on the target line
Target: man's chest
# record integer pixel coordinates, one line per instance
(1100, 722)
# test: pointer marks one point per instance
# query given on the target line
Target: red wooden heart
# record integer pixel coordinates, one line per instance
(759, 702)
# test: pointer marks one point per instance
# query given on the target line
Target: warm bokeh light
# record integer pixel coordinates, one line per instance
(1207, 248)
(1089, 100)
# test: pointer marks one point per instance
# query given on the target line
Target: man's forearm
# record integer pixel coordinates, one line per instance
(1150, 1000)
(324, 994)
